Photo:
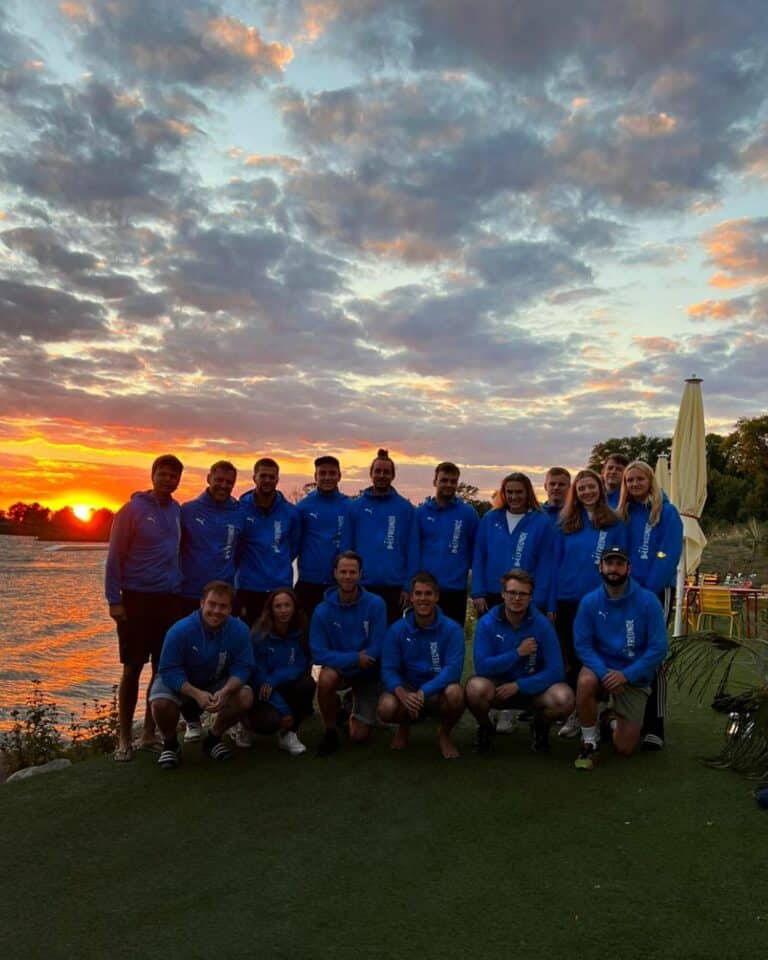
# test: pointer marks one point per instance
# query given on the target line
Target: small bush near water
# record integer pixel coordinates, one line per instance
(35, 738)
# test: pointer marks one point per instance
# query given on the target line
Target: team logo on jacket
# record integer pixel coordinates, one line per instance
(389, 539)
(456, 538)
(434, 652)
(600, 546)
(645, 545)
(519, 550)
(629, 633)
(200, 520)
(278, 535)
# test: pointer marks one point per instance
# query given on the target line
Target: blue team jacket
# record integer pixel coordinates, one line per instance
(627, 633)
(339, 631)
(496, 656)
(447, 541)
(383, 530)
(277, 660)
(427, 658)
(576, 558)
(194, 654)
(322, 518)
(497, 550)
(654, 552)
(209, 535)
(268, 544)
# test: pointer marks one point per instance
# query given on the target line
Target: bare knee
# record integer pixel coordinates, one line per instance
(359, 732)
(479, 691)
(387, 708)
(453, 697)
(328, 681)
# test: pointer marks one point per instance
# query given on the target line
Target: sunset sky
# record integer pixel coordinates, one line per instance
(492, 232)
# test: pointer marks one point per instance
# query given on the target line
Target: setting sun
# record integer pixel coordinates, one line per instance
(82, 512)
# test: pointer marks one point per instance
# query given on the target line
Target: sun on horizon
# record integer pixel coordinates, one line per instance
(83, 512)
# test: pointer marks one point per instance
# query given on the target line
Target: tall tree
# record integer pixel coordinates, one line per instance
(641, 447)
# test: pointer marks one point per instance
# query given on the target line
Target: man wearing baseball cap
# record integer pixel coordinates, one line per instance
(620, 637)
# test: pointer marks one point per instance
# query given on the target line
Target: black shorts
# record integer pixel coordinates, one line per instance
(149, 616)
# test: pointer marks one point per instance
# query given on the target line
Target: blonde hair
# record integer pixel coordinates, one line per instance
(531, 500)
(653, 501)
(570, 515)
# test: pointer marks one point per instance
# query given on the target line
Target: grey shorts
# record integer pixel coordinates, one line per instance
(161, 691)
(630, 703)
(365, 697)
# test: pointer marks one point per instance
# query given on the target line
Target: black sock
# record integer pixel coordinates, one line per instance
(171, 743)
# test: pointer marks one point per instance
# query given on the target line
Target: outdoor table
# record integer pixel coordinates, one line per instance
(749, 597)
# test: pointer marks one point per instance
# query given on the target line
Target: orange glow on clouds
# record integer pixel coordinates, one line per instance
(246, 42)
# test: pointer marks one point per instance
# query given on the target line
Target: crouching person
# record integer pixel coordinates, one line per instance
(518, 664)
(620, 636)
(206, 658)
(283, 688)
(421, 668)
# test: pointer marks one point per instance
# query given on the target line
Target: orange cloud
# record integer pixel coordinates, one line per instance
(647, 125)
(656, 344)
(410, 248)
(74, 10)
(317, 15)
(740, 249)
(283, 162)
(716, 309)
(246, 43)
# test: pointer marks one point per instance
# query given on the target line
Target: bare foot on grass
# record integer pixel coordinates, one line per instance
(447, 747)
(401, 738)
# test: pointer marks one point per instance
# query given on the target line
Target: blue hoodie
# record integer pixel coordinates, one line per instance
(447, 541)
(277, 660)
(496, 656)
(194, 654)
(143, 550)
(552, 513)
(268, 544)
(383, 530)
(626, 633)
(339, 631)
(612, 497)
(209, 535)
(576, 558)
(322, 516)
(426, 658)
(528, 547)
(654, 552)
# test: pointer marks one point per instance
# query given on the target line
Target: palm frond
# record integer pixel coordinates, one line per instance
(700, 663)
(746, 737)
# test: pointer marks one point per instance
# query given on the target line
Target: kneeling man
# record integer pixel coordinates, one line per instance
(207, 658)
(518, 664)
(621, 638)
(421, 668)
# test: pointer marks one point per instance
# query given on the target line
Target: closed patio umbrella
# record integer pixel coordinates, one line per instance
(663, 476)
(688, 490)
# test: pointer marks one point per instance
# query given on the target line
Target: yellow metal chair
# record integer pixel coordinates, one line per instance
(718, 603)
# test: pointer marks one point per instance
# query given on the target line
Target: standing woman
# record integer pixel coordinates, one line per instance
(282, 686)
(654, 542)
(586, 527)
(516, 534)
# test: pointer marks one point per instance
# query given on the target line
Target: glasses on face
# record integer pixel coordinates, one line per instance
(516, 594)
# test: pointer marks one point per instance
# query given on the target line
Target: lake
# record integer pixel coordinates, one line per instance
(54, 625)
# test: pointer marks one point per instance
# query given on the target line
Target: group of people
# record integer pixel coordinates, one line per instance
(570, 597)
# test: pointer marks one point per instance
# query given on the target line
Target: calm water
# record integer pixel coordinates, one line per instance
(54, 625)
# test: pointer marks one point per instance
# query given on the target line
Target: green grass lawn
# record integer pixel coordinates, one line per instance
(370, 854)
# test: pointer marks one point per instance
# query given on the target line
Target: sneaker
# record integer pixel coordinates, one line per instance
(505, 722)
(571, 728)
(241, 736)
(215, 748)
(193, 732)
(287, 740)
(329, 744)
(483, 738)
(169, 758)
(587, 758)
(539, 736)
(652, 741)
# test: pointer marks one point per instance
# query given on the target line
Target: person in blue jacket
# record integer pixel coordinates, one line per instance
(421, 667)
(612, 472)
(269, 541)
(447, 529)
(282, 684)
(517, 534)
(654, 543)
(518, 664)
(587, 526)
(211, 525)
(557, 482)
(207, 658)
(382, 528)
(345, 638)
(620, 637)
(322, 515)
(142, 580)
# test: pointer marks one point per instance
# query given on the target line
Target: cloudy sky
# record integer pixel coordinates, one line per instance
(491, 232)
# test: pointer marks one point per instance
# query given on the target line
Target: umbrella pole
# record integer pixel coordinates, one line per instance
(680, 596)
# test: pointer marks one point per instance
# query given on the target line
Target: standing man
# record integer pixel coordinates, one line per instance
(207, 659)
(382, 528)
(269, 541)
(142, 581)
(421, 668)
(612, 473)
(518, 664)
(346, 637)
(621, 638)
(557, 482)
(322, 515)
(211, 525)
(447, 528)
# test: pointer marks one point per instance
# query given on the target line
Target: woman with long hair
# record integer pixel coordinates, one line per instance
(516, 534)
(282, 686)
(654, 543)
(585, 528)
